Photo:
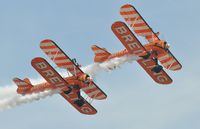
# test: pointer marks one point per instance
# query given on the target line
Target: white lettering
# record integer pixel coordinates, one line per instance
(121, 30)
(48, 73)
(60, 85)
(133, 45)
(41, 65)
(55, 80)
(145, 62)
(128, 38)
(160, 77)
(86, 109)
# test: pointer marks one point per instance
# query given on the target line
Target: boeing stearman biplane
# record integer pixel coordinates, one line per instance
(149, 54)
(69, 86)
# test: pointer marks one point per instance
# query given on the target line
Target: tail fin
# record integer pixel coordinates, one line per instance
(23, 85)
(101, 54)
(27, 80)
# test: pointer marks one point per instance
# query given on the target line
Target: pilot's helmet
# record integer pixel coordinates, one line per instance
(84, 77)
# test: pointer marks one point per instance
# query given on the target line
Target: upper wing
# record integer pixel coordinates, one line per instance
(52, 50)
(161, 77)
(48, 73)
(86, 108)
(139, 25)
(127, 38)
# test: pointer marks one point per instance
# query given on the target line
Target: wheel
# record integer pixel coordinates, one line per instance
(68, 91)
(79, 102)
(157, 69)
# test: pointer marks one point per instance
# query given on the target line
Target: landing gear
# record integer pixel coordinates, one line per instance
(157, 69)
(79, 102)
(70, 88)
(68, 91)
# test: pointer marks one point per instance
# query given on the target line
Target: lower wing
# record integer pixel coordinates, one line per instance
(162, 77)
(86, 108)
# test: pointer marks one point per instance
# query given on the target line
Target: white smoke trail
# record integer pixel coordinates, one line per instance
(18, 99)
(107, 66)
(7, 91)
(10, 99)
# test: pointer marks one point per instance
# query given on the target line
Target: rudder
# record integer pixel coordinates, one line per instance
(23, 85)
(101, 54)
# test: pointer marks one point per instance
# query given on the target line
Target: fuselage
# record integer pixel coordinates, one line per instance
(149, 48)
(47, 86)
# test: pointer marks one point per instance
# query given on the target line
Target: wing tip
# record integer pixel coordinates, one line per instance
(16, 79)
(37, 59)
(117, 24)
(46, 41)
(126, 5)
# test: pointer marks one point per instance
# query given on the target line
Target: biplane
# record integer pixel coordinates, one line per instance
(150, 54)
(69, 87)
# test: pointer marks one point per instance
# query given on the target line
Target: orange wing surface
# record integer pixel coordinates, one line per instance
(140, 27)
(133, 45)
(161, 77)
(127, 38)
(48, 73)
(52, 77)
(86, 108)
(59, 57)
(51, 49)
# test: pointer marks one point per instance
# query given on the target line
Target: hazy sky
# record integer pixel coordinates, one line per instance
(134, 100)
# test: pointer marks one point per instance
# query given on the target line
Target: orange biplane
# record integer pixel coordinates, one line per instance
(149, 54)
(69, 86)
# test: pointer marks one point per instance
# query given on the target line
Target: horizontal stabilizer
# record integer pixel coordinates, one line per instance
(27, 80)
(101, 54)
(23, 85)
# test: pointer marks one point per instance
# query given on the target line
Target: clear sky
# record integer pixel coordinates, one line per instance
(134, 100)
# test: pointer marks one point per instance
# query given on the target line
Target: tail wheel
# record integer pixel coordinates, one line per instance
(157, 69)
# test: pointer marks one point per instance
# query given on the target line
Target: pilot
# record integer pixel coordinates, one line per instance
(85, 78)
(154, 49)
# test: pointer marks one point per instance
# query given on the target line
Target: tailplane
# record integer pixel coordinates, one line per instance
(23, 85)
(101, 54)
